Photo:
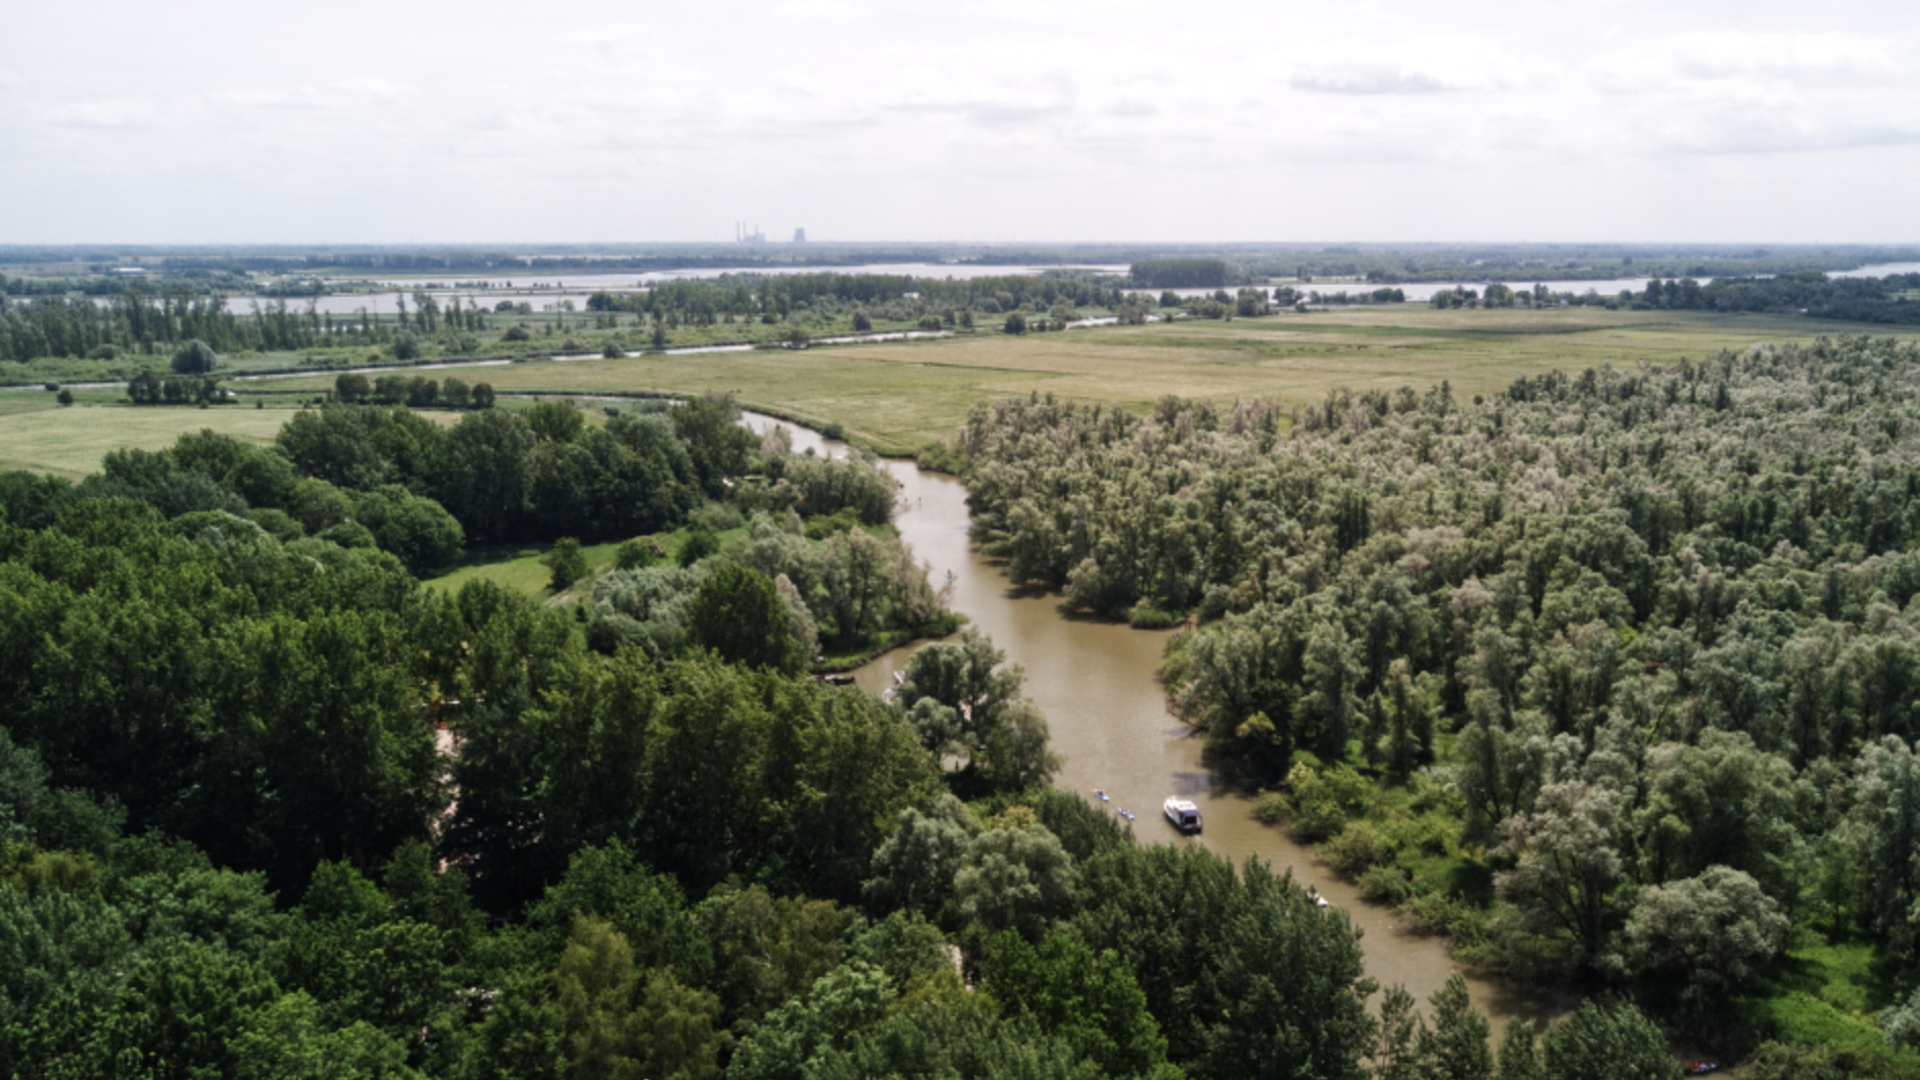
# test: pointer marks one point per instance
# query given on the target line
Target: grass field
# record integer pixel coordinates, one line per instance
(898, 396)
(69, 441)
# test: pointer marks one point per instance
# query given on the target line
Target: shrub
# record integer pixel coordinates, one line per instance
(640, 552)
(699, 544)
(1270, 808)
(1386, 884)
(194, 358)
(1144, 616)
(1359, 847)
(1322, 801)
(567, 562)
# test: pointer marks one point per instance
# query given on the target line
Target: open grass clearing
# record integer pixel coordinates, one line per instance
(71, 441)
(898, 396)
(519, 566)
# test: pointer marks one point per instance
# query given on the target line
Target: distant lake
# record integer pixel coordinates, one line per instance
(541, 290)
(555, 289)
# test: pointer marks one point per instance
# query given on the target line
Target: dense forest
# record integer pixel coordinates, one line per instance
(271, 807)
(1612, 676)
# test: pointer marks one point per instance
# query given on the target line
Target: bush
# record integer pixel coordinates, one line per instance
(1386, 885)
(861, 323)
(638, 553)
(1438, 913)
(1270, 808)
(195, 358)
(612, 351)
(717, 517)
(64, 397)
(1322, 801)
(405, 347)
(1016, 324)
(1144, 616)
(1359, 847)
(821, 526)
(567, 562)
(517, 332)
(699, 544)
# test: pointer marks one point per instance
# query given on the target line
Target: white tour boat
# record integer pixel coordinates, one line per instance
(1183, 814)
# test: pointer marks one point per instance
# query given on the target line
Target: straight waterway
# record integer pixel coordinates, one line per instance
(1097, 683)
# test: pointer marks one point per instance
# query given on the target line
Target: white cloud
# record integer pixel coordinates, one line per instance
(669, 121)
(1435, 66)
(1376, 79)
(821, 10)
(123, 112)
(1796, 58)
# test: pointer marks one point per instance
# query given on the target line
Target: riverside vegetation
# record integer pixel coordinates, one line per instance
(270, 807)
(1611, 676)
(326, 821)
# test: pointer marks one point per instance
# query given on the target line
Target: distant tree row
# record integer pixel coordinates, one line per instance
(133, 321)
(1185, 274)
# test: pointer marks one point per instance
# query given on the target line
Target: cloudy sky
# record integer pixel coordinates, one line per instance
(1003, 120)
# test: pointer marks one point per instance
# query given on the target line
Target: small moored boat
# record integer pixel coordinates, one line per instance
(1126, 813)
(1184, 815)
(1100, 794)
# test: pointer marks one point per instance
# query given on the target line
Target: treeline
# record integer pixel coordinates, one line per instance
(1390, 264)
(365, 476)
(930, 302)
(1185, 274)
(137, 322)
(1867, 300)
(1665, 615)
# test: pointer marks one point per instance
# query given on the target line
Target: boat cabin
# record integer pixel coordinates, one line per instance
(1182, 814)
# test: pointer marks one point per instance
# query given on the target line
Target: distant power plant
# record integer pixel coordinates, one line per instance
(741, 235)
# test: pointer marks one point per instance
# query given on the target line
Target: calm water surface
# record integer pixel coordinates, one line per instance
(1108, 714)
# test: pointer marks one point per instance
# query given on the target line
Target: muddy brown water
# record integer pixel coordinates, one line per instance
(1097, 683)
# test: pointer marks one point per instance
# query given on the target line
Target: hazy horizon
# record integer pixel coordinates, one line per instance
(203, 122)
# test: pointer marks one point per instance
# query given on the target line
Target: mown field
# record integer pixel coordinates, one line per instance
(42, 436)
(898, 396)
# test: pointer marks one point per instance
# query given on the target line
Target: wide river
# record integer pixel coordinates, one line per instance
(1108, 713)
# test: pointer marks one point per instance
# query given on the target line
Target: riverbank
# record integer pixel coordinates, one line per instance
(1098, 686)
